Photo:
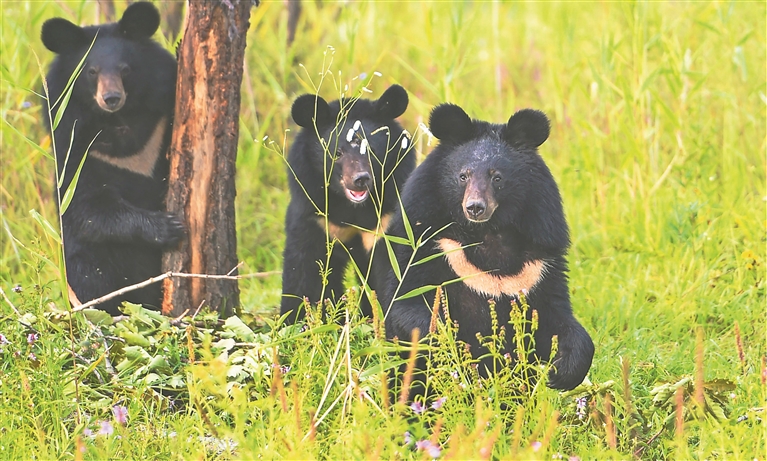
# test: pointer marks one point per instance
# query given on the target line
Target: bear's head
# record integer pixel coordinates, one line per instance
(122, 61)
(492, 176)
(361, 141)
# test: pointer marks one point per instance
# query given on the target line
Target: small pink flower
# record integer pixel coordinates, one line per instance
(574, 458)
(121, 414)
(408, 438)
(87, 432)
(417, 407)
(31, 338)
(437, 404)
(536, 445)
(432, 449)
(106, 428)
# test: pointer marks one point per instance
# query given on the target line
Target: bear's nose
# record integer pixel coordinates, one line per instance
(475, 208)
(112, 99)
(362, 180)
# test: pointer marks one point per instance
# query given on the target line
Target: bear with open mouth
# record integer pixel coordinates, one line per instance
(344, 169)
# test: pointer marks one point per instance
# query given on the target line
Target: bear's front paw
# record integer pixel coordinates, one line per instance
(169, 229)
(572, 362)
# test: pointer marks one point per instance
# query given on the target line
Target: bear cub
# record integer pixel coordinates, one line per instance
(344, 169)
(120, 112)
(492, 214)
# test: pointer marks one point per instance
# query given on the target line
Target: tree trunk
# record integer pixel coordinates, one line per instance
(202, 155)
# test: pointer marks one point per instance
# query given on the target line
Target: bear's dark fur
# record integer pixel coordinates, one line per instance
(122, 103)
(485, 186)
(346, 162)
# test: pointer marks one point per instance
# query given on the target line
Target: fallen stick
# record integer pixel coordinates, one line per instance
(162, 277)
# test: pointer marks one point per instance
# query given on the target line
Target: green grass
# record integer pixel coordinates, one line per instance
(658, 145)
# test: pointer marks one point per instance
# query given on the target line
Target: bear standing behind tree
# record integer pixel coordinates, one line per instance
(490, 212)
(344, 169)
(122, 107)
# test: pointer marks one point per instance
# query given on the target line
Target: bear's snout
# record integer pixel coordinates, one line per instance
(479, 203)
(110, 94)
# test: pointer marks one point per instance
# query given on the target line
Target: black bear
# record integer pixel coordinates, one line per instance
(120, 112)
(344, 169)
(490, 212)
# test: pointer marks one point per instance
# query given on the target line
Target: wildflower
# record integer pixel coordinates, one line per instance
(437, 404)
(88, 432)
(364, 147)
(417, 407)
(121, 414)
(17, 288)
(432, 449)
(454, 374)
(536, 445)
(32, 357)
(106, 428)
(363, 76)
(26, 105)
(4, 340)
(32, 337)
(350, 135)
(574, 458)
(284, 369)
(408, 438)
(580, 405)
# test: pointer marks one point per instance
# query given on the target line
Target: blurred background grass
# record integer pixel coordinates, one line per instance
(658, 146)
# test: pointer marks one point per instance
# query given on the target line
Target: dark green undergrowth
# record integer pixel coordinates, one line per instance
(658, 145)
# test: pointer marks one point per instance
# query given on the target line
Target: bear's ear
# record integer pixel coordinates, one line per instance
(61, 36)
(392, 103)
(140, 20)
(449, 122)
(307, 108)
(527, 127)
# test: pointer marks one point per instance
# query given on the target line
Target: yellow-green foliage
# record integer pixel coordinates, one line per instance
(658, 146)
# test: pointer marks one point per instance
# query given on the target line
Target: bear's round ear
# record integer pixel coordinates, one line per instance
(392, 103)
(307, 108)
(61, 36)
(449, 122)
(528, 127)
(140, 20)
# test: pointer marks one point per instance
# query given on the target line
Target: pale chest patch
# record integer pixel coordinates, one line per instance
(488, 284)
(143, 161)
(346, 233)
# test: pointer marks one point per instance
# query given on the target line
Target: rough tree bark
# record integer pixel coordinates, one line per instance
(203, 152)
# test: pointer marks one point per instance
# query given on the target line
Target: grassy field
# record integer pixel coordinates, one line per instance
(658, 145)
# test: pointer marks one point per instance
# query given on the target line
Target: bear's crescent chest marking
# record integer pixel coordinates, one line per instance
(346, 233)
(143, 161)
(487, 284)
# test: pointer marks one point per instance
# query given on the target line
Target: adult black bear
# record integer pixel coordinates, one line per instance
(122, 102)
(343, 169)
(486, 201)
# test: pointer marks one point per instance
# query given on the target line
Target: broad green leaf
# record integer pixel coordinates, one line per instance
(67, 93)
(70, 192)
(240, 330)
(393, 260)
(29, 141)
(46, 225)
(416, 292)
(97, 317)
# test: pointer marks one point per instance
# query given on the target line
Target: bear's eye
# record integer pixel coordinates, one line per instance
(124, 70)
(497, 178)
(463, 177)
(92, 72)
